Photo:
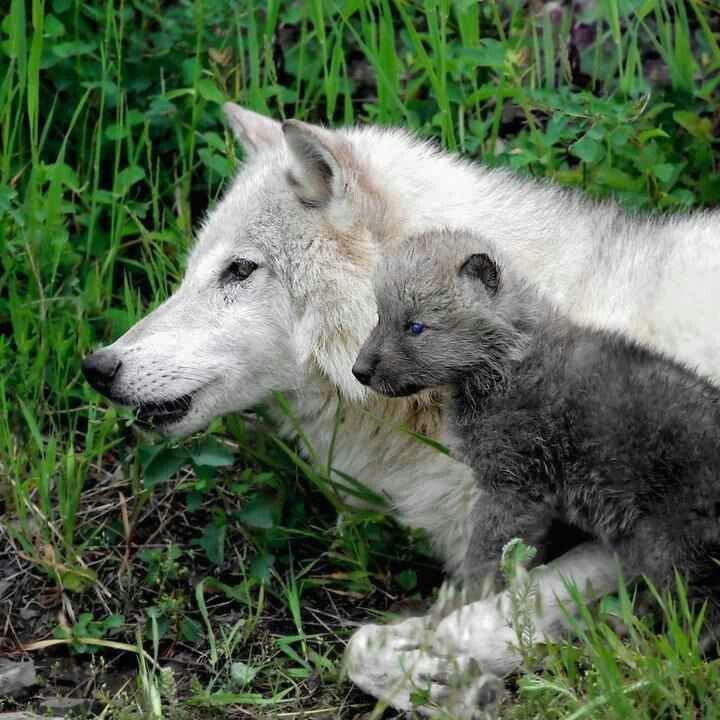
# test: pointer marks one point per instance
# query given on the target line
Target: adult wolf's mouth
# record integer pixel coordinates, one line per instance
(164, 413)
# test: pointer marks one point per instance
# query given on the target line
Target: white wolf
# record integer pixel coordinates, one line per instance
(277, 296)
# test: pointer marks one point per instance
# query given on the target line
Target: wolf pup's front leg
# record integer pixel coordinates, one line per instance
(501, 516)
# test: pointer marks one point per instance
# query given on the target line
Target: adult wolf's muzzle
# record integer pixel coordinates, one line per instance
(100, 369)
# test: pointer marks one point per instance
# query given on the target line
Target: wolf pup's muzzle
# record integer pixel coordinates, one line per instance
(363, 370)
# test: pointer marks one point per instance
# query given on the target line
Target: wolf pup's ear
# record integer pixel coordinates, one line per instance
(482, 267)
(317, 174)
(253, 131)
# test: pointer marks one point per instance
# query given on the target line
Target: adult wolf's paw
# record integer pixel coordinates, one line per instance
(467, 694)
(376, 654)
(397, 665)
(479, 631)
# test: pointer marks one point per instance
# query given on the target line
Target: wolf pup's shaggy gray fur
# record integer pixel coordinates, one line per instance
(557, 421)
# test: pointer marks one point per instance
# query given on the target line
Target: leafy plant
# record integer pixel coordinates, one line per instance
(87, 627)
(522, 587)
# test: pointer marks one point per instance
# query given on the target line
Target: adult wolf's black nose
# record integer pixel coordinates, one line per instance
(363, 371)
(100, 369)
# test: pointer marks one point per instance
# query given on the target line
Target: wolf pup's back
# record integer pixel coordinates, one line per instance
(608, 435)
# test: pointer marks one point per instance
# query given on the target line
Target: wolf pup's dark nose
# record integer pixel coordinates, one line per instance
(363, 371)
(100, 369)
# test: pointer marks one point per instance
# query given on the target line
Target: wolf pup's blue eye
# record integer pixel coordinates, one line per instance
(416, 328)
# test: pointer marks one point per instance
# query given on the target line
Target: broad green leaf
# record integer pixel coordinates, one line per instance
(407, 580)
(128, 177)
(666, 172)
(113, 623)
(610, 605)
(490, 53)
(116, 132)
(73, 48)
(211, 453)
(587, 149)
(621, 136)
(208, 90)
(261, 566)
(217, 163)
(616, 179)
(682, 196)
(191, 630)
(53, 27)
(215, 141)
(162, 467)
(651, 134)
(698, 127)
(64, 174)
(213, 541)
(78, 579)
(258, 513)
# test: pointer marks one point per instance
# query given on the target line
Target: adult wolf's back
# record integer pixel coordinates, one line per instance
(277, 296)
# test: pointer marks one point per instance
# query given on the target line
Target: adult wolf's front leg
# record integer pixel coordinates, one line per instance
(392, 662)
(397, 665)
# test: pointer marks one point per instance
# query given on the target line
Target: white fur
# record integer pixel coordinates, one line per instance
(298, 323)
(392, 661)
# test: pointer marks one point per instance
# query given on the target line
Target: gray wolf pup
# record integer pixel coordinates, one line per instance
(557, 421)
(277, 296)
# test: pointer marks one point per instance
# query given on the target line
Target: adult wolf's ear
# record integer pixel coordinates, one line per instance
(253, 131)
(482, 267)
(317, 174)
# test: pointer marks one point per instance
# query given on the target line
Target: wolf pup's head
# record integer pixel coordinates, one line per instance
(279, 284)
(446, 308)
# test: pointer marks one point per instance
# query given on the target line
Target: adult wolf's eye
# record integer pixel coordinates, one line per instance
(239, 270)
(416, 328)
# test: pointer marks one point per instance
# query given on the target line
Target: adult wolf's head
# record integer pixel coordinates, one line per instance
(278, 285)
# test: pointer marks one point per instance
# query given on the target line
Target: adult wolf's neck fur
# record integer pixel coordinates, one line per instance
(370, 442)
(543, 226)
(600, 265)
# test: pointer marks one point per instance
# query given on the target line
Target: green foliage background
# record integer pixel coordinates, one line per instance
(113, 143)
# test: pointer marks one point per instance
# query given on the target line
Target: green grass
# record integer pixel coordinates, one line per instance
(112, 145)
(654, 669)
